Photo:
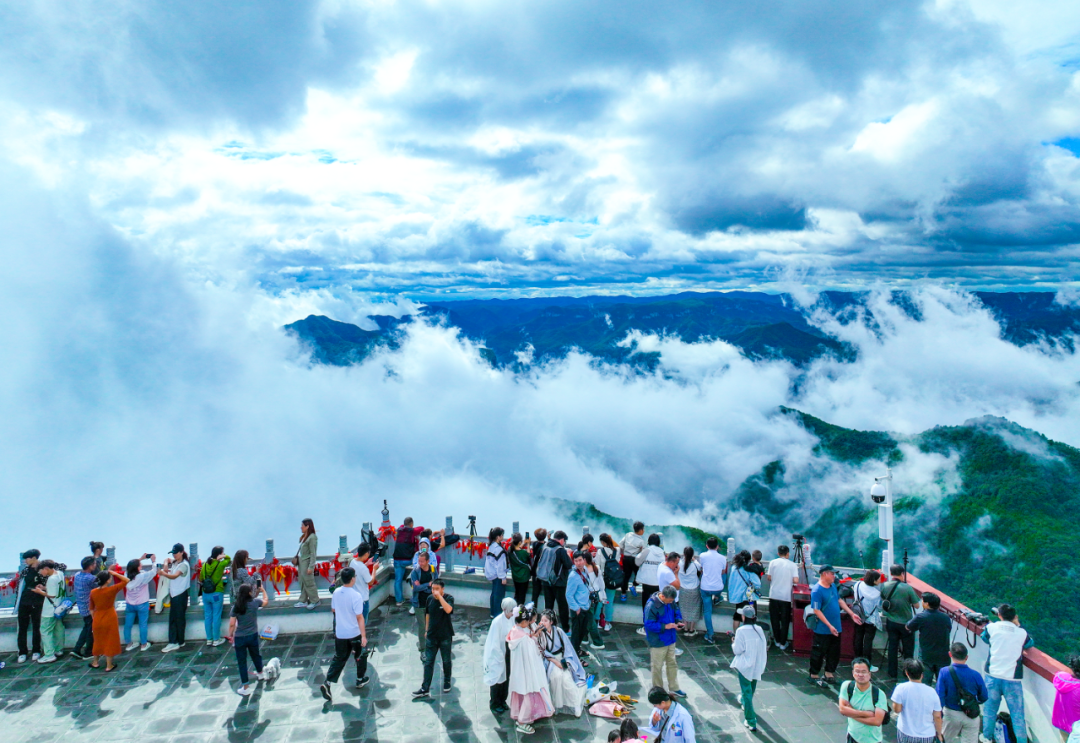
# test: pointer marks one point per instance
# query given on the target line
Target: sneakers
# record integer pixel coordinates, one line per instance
(412, 611)
(421, 693)
(633, 591)
(751, 728)
(820, 683)
(260, 675)
(243, 690)
(144, 647)
(708, 640)
(623, 598)
(525, 729)
(47, 659)
(130, 646)
(312, 606)
(22, 659)
(77, 654)
(361, 683)
(326, 693)
(607, 627)
(598, 647)
(641, 630)
(678, 652)
(170, 647)
(679, 693)
(300, 605)
(35, 656)
(446, 686)
(217, 642)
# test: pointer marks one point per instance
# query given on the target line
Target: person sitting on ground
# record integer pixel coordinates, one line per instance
(750, 649)
(670, 722)
(863, 704)
(918, 706)
(958, 725)
(662, 623)
(935, 631)
(565, 673)
(628, 731)
(497, 657)
(530, 696)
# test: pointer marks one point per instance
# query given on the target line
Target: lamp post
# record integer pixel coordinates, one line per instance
(881, 494)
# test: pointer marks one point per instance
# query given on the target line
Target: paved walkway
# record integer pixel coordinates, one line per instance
(188, 696)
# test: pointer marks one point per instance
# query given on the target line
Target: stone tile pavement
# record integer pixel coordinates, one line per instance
(188, 696)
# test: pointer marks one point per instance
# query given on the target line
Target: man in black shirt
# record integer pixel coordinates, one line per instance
(934, 629)
(555, 590)
(440, 636)
(31, 599)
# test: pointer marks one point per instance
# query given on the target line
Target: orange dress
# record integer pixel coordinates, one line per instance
(106, 624)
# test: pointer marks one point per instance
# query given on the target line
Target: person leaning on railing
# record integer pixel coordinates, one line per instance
(1005, 671)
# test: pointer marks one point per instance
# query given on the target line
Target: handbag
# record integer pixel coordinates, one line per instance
(61, 610)
(752, 594)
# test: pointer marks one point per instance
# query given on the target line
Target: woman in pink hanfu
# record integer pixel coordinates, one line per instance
(530, 699)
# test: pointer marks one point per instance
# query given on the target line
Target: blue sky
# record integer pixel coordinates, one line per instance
(493, 148)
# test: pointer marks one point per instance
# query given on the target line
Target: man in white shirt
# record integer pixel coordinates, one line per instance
(919, 707)
(1005, 671)
(363, 575)
(784, 575)
(350, 633)
(632, 545)
(713, 566)
(668, 573)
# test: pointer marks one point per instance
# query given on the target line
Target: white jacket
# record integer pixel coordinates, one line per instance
(648, 563)
(495, 562)
(632, 544)
(750, 651)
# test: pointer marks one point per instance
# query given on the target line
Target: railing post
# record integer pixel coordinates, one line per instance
(269, 557)
(730, 549)
(387, 560)
(110, 556)
(517, 528)
(193, 557)
(343, 545)
(448, 552)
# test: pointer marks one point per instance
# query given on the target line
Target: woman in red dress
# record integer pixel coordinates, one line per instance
(106, 625)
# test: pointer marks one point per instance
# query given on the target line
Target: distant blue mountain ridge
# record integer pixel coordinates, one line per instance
(761, 325)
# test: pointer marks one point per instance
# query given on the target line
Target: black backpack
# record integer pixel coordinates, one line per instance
(208, 584)
(874, 698)
(613, 572)
(969, 705)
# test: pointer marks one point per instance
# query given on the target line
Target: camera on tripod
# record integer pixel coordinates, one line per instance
(976, 617)
(798, 537)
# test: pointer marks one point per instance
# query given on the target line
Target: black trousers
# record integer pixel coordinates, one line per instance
(178, 618)
(501, 692)
(521, 591)
(86, 636)
(629, 571)
(900, 641)
(580, 622)
(864, 641)
(441, 646)
(539, 588)
(779, 619)
(646, 594)
(825, 648)
(29, 618)
(342, 650)
(556, 596)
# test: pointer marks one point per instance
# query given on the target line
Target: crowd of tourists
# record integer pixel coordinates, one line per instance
(536, 660)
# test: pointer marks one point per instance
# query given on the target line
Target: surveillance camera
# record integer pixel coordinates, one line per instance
(877, 493)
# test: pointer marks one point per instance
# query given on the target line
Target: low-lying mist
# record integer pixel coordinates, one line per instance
(141, 409)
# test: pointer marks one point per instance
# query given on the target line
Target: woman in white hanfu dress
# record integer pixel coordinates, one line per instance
(530, 699)
(566, 676)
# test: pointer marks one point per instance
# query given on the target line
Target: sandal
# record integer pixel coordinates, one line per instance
(94, 666)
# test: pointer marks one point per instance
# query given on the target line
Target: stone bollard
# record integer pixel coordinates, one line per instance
(517, 528)
(193, 558)
(343, 545)
(584, 530)
(269, 556)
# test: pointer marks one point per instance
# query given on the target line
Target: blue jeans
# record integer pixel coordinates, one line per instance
(142, 611)
(498, 593)
(212, 604)
(1013, 691)
(400, 568)
(706, 608)
(247, 645)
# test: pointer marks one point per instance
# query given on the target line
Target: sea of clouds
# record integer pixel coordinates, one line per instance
(141, 408)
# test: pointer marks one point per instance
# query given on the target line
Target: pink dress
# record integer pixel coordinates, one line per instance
(1066, 702)
(530, 698)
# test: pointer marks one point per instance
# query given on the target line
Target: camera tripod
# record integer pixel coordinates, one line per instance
(799, 559)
